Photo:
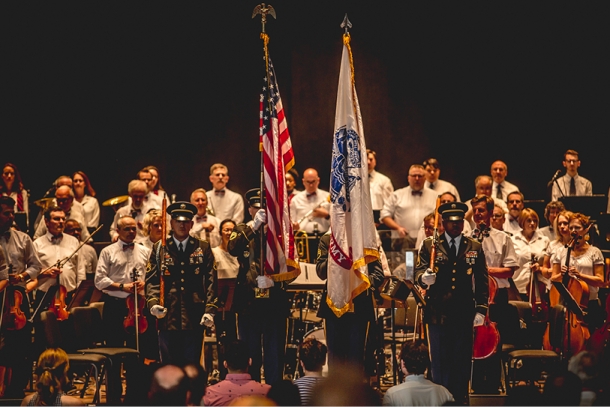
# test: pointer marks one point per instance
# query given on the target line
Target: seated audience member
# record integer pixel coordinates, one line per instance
(562, 388)
(284, 393)
(169, 387)
(238, 381)
(416, 390)
(312, 358)
(51, 381)
(198, 379)
(345, 387)
(551, 211)
(586, 366)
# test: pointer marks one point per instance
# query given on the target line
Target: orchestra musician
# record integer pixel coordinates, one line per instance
(114, 276)
(54, 248)
(185, 269)
(501, 262)
(453, 304)
(22, 259)
(586, 264)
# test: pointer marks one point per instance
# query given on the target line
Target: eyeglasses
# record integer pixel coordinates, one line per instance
(310, 182)
(497, 216)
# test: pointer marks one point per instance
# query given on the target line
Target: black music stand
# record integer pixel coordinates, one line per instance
(419, 299)
(590, 205)
(85, 294)
(571, 307)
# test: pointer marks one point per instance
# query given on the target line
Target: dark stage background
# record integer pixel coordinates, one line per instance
(109, 87)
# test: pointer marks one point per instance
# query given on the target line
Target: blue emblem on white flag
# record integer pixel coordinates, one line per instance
(346, 159)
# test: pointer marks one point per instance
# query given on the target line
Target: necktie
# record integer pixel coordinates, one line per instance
(432, 185)
(180, 247)
(572, 187)
(499, 192)
(128, 246)
(453, 248)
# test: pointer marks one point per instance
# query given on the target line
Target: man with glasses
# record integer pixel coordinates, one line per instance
(224, 203)
(498, 217)
(571, 184)
(515, 206)
(406, 208)
(136, 208)
(64, 198)
(311, 199)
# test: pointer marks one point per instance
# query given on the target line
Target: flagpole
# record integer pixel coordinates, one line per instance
(263, 10)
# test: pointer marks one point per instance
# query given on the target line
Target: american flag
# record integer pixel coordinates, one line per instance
(278, 157)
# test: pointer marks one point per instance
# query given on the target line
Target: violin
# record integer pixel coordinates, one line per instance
(536, 290)
(135, 322)
(486, 336)
(58, 305)
(575, 333)
(14, 318)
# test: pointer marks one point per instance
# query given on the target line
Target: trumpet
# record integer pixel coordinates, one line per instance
(302, 245)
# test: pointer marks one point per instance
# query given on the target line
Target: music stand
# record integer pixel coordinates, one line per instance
(419, 299)
(85, 294)
(571, 306)
(590, 205)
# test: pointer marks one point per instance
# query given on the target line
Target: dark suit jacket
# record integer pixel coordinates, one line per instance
(189, 283)
(363, 303)
(451, 297)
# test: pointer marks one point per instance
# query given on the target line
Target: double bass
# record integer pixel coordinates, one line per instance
(486, 336)
(575, 333)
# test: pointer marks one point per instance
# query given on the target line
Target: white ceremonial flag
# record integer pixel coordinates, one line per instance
(353, 242)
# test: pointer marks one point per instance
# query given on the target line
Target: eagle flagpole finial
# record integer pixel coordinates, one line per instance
(263, 10)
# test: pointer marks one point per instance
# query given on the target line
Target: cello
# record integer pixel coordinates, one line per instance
(135, 321)
(486, 336)
(575, 333)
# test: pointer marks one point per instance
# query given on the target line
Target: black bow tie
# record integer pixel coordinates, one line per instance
(201, 218)
(128, 246)
(416, 193)
(221, 192)
(312, 194)
(56, 239)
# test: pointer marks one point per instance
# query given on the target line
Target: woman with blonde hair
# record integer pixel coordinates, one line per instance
(51, 380)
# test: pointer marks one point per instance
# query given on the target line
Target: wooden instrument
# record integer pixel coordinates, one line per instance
(575, 333)
(486, 336)
(435, 236)
(58, 305)
(135, 322)
(13, 317)
(536, 290)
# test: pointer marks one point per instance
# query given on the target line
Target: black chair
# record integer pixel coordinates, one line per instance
(89, 340)
(96, 363)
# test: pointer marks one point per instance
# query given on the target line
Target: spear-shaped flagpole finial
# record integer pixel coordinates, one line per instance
(346, 24)
(263, 10)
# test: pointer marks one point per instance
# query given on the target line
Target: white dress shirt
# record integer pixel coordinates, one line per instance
(499, 252)
(50, 251)
(197, 230)
(440, 187)
(227, 266)
(511, 225)
(303, 203)
(409, 210)
(524, 249)
(88, 256)
(381, 189)
(548, 232)
(138, 215)
(416, 390)
(20, 252)
(76, 213)
(91, 208)
(421, 234)
(116, 265)
(583, 186)
(584, 263)
(507, 188)
(229, 205)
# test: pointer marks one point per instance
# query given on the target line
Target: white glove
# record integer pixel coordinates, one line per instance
(158, 311)
(428, 278)
(207, 320)
(479, 319)
(264, 282)
(260, 217)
